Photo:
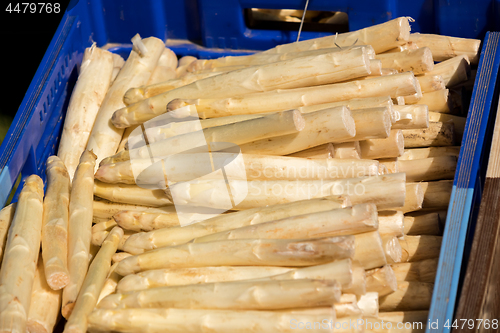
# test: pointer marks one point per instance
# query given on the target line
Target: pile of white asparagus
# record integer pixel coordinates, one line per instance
(350, 144)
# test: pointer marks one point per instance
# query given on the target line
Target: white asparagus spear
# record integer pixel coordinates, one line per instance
(393, 146)
(373, 123)
(347, 306)
(79, 229)
(45, 303)
(339, 270)
(383, 37)
(438, 101)
(118, 63)
(424, 224)
(198, 321)
(347, 150)
(411, 116)
(414, 98)
(134, 95)
(346, 221)
(389, 165)
(307, 99)
(410, 296)
(429, 83)
(20, 257)
(130, 194)
(124, 141)
(104, 209)
(368, 304)
(257, 167)
(262, 58)
(353, 104)
(358, 286)
(370, 252)
(295, 73)
(438, 134)
(426, 169)
(419, 60)
(454, 71)
(178, 235)
(321, 151)
(86, 99)
(270, 192)
(324, 126)
(250, 252)
(423, 271)
(391, 222)
(6, 217)
(445, 47)
(264, 295)
(105, 138)
(437, 194)
(375, 67)
(119, 256)
(93, 283)
(405, 316)
(165, 68)
(381, 280)
(419, 153)
(414, 197)
(416, 248)
(348, 325)
(458, 122)
(55, 224)
(392, 249)
(147, 220)
(110, 284)
(185, 60)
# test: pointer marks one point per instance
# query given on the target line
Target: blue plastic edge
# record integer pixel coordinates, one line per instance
(452, 248)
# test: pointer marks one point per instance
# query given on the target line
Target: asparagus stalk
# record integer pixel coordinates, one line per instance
(392, 146)
(44, 305)
(422, 271)
(445, 47)
(118, 63)
(416, 248)
(198, 321)
(249, 252)
(419, 60)
(391, 223)
(88, 95)
(141, 242)
(420, 153)
(55, 224)
(322, 151)
(426, 224)
(381, 280)
(324, 126)
(347, 150)
(405, 316)
(347, 306)
(79, 229)
(368, 304)
(93, 283)
(426, 169)
(338, 222)
(358, 286)
(165, 68)
(307, 99)
(412, 116)
(6, 217)
(119, 256)
(410, 296)
(262, 58)
(104, 209)
(130, 194)
(370, 252)
(206, 193)
(295, 73)
(414, 197)
(458, 122)
(392, 249)
(438, 134)
(105, 138)
(430, 83)
(454, 71)
(110, 284)
(383, 37)
(20, 257)
(437, 194)
(265, 295)
(353, 104)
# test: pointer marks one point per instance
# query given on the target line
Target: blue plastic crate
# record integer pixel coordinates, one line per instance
(36, 129)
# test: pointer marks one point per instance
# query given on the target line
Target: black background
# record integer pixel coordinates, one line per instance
(24, 38)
